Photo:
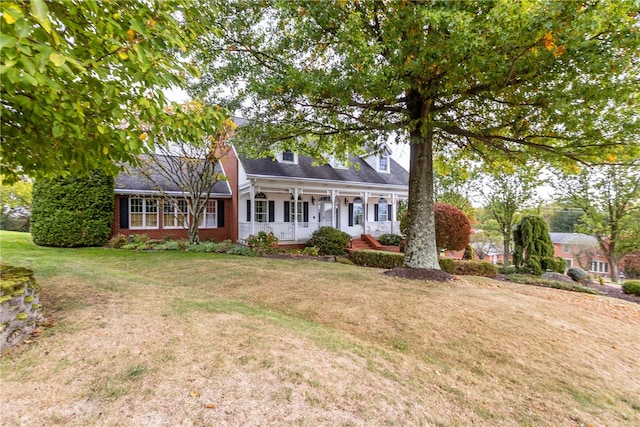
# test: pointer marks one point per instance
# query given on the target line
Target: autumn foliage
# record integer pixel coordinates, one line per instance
(630, 264)
(452, 227)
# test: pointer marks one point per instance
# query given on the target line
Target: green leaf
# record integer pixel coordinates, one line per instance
(6, 41)
(57, 130)
(57, 59)
(40, 11)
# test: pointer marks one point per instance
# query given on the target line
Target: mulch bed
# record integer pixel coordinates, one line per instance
(613, 292)
(419, 274)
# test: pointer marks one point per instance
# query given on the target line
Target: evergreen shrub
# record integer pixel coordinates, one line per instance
(632, 287)
(377, 259)
(72, 211)
(474, 268)
(446, 264)
(390, 239)
(533, 250)
(329, 241)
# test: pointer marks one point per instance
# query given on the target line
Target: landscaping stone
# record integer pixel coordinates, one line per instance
(20, 309)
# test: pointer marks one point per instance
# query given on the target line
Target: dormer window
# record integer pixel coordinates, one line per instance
(383, 163)
(288, 156)
(337, 164)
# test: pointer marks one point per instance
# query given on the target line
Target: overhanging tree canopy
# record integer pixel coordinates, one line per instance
(82, 78)
(492, 79)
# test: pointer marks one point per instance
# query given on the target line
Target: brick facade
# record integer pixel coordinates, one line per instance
(216, 234)
(228, 231)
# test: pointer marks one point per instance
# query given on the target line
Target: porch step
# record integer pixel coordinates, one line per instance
(359, 243)
(367, 241)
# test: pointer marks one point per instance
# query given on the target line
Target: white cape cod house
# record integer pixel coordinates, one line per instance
(292, 196)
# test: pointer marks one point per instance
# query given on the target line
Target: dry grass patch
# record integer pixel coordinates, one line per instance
(168, 339)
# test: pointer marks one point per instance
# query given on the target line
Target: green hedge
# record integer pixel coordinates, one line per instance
(631, 287)
(71, 211)
(383, 259)
(468, 267)
(378, 259)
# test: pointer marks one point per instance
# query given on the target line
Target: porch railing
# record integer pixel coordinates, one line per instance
(285, 231)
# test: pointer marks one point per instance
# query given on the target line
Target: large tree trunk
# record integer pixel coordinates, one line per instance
(614, 268)
(421, 250)
(506, 247)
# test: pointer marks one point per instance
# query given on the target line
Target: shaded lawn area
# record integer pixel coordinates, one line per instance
(184, 338)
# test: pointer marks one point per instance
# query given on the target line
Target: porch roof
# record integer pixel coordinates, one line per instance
(304, 169)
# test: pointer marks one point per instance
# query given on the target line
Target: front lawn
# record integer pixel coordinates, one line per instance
(188, 338)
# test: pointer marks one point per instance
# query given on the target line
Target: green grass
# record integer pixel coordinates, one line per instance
(138, 333)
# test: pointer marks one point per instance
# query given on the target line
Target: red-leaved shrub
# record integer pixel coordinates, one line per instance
(452, 227)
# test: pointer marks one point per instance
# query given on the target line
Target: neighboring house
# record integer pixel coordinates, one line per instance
(290, 195)
(141, 207)
(580, 250)
(493, 255)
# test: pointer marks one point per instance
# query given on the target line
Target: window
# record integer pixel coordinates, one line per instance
(383, 163)
(143, 213)
(262, 212)
(208, 218)
(599, 267)
(382, 210)
(175, 214)
(288, 156)
(565, 249)
(569, 263)
(292, 213)
(358, 211)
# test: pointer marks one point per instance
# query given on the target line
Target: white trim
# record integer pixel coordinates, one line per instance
(175, 215)
(148, 193)
(291, 162)
(379, 158)
(225, 175)
(203, 216)
(329, 182)
(144, 214)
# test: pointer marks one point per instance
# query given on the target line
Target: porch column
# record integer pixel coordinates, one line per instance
(365, 214)
(394, 211)
(252, 216)
(295, 214)
(333, 208)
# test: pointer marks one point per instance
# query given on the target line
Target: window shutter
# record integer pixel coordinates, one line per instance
(124, 212)
(220, 213)
(305, 211)
(375, 212)
(389, 213)
(287, 212)
(248, 210)
(272, 211)
(350, 214)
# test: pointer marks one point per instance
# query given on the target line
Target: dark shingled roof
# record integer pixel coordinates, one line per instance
(132, 179)
(397, 176)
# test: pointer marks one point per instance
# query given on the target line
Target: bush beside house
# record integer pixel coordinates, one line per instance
(329, 241)
(72, 211)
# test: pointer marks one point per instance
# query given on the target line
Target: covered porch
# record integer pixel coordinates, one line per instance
(293, 213)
